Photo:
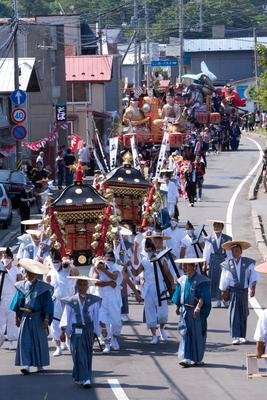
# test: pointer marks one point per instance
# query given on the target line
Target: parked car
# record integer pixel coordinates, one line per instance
(14, 181)
(5, 207)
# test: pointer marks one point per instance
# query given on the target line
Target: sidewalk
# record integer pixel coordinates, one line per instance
(258, 203)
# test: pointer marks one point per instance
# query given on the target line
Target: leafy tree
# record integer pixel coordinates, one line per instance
(261, 89)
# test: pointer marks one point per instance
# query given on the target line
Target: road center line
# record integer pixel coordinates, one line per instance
(229, 215)
(117, 389)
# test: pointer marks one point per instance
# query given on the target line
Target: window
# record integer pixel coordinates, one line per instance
(79, 92)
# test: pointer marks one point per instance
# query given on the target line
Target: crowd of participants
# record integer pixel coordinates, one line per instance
(43, 294)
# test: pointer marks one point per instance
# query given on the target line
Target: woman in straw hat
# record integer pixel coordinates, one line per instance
(77, 322)
(238, 279)
(9, 275)
(192, 297)
(34, 312)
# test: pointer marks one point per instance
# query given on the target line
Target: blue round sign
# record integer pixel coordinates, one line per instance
(18, 97)
(19, 132)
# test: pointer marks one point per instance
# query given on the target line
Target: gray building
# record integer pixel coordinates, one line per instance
(228, 58)
(45, 44)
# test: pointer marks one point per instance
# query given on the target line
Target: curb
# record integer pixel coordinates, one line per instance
(256, 219)
(258, 231)
(253, 190)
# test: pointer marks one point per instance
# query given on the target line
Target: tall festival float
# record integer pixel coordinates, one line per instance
(177, 108)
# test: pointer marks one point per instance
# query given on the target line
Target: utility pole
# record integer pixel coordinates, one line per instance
(100, 35)
(200, 15)
(136, 38)
(255, 56)
(16, 73)
(147, 48)
(181, 38)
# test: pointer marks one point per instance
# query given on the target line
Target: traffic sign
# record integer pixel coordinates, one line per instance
(19, 132)
(18, 115)
(18, 97)
(164, 63)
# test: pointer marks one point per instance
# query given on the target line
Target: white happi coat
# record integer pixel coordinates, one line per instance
(227, 280)
(175, 242)
(208, 248)
(154, 313)
(110, 309)
(7, 317)
(63, 287)
(171, 196)
(190, 252)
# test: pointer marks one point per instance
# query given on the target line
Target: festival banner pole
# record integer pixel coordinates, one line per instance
(136, 162)
(164, 144)
(113, 151)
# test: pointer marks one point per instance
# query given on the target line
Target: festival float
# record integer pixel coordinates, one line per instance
(191, 102)
(129, 188)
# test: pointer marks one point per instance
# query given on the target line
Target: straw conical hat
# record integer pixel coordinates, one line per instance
(189, 260)
(33, 266)
(31, 222)
(231, 244)
(34, 232)
(83, 278)
(261, 268)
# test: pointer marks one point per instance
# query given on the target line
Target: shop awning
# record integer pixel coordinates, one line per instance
(27, 75)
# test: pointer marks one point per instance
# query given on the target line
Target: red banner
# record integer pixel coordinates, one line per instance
(74, 143)
(36, 146)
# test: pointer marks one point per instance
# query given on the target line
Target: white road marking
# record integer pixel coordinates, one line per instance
(229, 215)
(117, 389)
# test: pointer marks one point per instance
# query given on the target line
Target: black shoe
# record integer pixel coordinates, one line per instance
(25, 371)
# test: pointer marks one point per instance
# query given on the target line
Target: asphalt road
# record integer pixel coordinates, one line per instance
(146, 372)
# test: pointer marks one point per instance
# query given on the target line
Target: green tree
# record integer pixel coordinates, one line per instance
(261, 89)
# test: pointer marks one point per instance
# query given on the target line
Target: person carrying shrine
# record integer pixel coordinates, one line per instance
(214, 255)
(63, 287)
(169, 192)
(77, 322)
(109, 280)
(34, 309)
(154, 314)
(238, 279)
(193, 301)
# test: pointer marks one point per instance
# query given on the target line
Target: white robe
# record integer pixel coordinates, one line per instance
(154, 313)
(63, 287)
(110, 309)
(8, 317)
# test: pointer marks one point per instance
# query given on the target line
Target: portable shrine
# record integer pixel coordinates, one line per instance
(72, 218)
(129, 187)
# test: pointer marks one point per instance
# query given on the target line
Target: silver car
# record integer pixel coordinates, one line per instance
(5, 207)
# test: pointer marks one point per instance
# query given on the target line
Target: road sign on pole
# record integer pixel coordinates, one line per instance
(18, 115)
(164, 63)
(18, 97)
(19, 132)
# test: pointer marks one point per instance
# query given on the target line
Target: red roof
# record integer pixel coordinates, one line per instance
(88, 68)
